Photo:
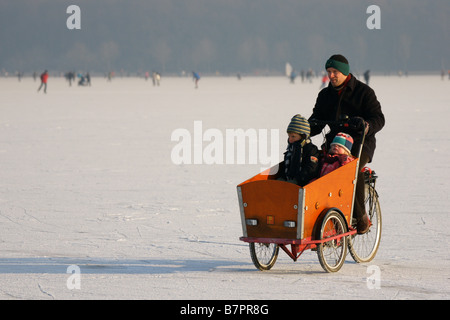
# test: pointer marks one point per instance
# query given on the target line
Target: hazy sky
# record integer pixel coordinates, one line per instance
(223, 35)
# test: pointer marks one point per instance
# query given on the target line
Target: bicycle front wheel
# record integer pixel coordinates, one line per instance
(332, 253)
(264, 255)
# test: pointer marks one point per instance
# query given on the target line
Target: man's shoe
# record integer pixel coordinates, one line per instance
(363, 225)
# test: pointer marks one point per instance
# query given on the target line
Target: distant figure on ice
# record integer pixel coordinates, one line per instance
(156, 77)
(310, 75)
(82, 81)
(292, 76)
(85, 80)
(367, 76)
(44, 78)
(111, 75)
(70, 76)
(196, 77)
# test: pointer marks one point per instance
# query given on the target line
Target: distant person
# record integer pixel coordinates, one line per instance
(367, 76)
(82, 81)
(70, 77)
(347, 96)
(157, 78)
(292, 76)
(310, 75)
(338, 154)
(196, 78)
(44, 78)
(301, 159)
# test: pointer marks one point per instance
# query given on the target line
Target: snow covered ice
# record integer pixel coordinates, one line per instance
(87, 180)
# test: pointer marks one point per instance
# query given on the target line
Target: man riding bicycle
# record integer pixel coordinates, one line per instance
(345, 95)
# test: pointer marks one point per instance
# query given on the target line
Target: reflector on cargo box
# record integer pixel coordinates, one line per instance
(289, 224)
(251, 222)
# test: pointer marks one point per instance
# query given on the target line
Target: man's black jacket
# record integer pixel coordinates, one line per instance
(355, 100)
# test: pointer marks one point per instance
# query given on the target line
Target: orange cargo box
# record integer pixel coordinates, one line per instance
(278, 209)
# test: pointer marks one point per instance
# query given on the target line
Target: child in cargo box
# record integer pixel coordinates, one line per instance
(338, 155)
(301, 163)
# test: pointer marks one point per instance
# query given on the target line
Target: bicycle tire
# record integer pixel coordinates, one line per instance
(332, 253)
(364, 247)
(264, 255)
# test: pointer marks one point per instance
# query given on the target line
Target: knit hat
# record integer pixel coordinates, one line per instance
(338, 62)
(299, 125)
(343, 140)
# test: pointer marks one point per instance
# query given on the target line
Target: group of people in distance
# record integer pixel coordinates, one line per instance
(345, 95)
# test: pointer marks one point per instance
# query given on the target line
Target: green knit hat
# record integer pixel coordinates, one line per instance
(299, 125)
(338, 62)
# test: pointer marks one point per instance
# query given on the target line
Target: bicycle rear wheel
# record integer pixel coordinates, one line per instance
(363, 247)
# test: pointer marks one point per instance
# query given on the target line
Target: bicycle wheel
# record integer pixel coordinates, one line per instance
(332, 253)
(264, 255)
(363, 247)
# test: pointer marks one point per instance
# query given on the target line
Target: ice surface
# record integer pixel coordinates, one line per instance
(86, 179)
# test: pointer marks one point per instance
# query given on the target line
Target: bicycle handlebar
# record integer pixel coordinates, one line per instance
(354, 123)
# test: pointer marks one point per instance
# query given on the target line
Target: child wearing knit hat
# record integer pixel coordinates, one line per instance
(339, 153)
(301, 163)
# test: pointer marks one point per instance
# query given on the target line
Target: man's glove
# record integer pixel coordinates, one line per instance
(358, 124)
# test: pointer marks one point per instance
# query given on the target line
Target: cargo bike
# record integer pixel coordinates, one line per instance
(319, 216)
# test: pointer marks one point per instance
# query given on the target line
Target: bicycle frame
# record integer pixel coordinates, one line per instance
(297, 246)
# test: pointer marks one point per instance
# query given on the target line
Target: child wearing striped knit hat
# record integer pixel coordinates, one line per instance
(301, 163)
(339, 153)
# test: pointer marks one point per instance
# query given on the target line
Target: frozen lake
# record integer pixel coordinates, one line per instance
(87, 179)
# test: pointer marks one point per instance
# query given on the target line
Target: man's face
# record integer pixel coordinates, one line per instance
(336, 77)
